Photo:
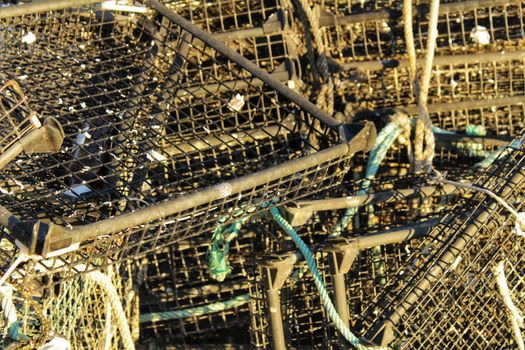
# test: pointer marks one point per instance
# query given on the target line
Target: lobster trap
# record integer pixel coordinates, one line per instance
(356, 263)
(96, 310)
(377, 33)
(478, 52)
(263, 32)
(159, 144)
(452, 285)
(178, 279)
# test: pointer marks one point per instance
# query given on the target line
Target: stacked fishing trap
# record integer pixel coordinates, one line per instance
(263, 174)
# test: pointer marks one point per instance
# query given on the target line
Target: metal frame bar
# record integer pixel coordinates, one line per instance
(209, 39)
(383, 333)
(342, 251)
(484, 57)
(326, 19)
(303, 210)
(43, 238)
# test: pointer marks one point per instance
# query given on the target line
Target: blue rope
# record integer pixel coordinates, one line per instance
(318, 280)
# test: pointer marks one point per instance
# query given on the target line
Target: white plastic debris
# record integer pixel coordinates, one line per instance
(236, 103)
(519, 227)
(453, 83)
(385, 28)
(154, 155)
(456, 263)
(56, 343)
(35, 121)
(29, 38)
(124, 6)
(480, 35)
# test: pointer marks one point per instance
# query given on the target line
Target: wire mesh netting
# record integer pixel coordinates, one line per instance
(449, 287)
(376, 33)
(261, 31)
(145, 143)
(16, 118)
(148, 125)
(304, 320)
(178, 278)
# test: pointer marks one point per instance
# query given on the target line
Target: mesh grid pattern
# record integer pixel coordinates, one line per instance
(145, 106)
(261, 31)
(16, 117)
(178, 278)
(461, 308)
(304, 320)
(382, 37)
(451, 83)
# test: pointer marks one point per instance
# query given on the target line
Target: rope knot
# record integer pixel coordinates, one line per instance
(218, 266)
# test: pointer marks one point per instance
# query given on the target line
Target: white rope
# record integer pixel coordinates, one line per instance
(514, 313)
(108, 334)
(423, 132)
(519, 218)
(21, 258)
(8, 307)
(56, 343)
(110, 293)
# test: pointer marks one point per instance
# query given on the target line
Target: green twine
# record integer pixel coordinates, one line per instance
(218, 266)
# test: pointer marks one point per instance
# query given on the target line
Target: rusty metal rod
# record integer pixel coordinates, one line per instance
(42, 6)
(229, 86)
(378, 197)
(228, 139)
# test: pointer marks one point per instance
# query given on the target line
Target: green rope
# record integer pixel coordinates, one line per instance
(218, 252)
(318, 280)
(218, 265)
(196, 311)
(386, 137)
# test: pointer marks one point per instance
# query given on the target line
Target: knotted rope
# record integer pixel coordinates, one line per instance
(424, 136)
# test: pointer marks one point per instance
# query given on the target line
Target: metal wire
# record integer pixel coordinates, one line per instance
(145, 105)
(449, 289)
